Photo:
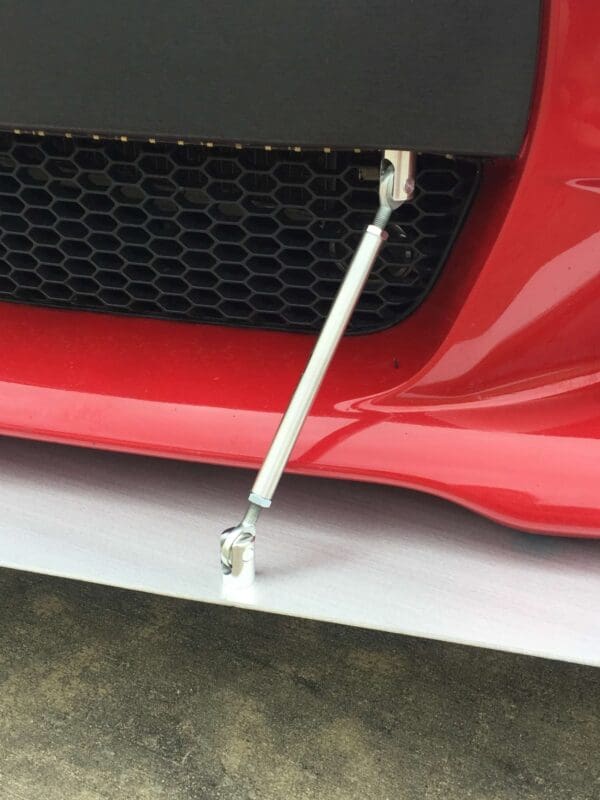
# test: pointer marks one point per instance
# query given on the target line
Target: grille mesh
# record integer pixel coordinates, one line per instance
(245, 237)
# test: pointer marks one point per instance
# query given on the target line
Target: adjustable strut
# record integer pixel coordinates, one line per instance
(396, 185)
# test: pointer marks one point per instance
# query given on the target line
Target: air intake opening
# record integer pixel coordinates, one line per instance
(248, 237)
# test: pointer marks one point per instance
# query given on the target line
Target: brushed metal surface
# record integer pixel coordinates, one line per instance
(356, 554)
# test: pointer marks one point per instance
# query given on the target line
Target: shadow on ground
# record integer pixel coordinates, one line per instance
(107, 693)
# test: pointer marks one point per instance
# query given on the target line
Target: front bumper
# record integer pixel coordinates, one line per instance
(488, 394)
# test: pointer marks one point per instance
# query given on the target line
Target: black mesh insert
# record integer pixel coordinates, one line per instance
(231, 236)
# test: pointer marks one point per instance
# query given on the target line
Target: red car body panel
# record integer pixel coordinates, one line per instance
(489, 394)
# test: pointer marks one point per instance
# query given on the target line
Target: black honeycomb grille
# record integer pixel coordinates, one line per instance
(230, 236)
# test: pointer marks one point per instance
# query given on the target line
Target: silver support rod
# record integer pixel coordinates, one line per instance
(312, 377)
(237, 544)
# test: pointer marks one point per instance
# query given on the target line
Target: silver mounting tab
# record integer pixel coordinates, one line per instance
(396, 185)
(403, 162)
(237, 551)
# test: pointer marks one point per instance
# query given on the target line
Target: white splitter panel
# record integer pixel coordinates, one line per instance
(357, 554)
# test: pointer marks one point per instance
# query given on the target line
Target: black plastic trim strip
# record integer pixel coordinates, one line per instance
(447, 76)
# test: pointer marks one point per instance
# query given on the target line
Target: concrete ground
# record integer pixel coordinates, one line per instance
(106, 693)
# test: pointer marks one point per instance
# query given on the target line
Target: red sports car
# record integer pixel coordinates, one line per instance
(183, 188)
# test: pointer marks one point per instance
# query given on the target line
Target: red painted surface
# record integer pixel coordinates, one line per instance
(489, 394)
